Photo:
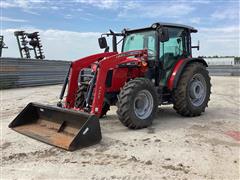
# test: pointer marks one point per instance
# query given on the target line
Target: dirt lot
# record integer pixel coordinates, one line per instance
(205, 147)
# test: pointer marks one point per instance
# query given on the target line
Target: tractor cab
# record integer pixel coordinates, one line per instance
(166, 44)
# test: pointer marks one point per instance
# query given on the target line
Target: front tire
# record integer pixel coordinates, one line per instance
(80, 100)
(80, 96)
(193, 91)
(137, 103)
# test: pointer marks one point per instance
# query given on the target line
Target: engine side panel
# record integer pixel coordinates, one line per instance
(120, 76)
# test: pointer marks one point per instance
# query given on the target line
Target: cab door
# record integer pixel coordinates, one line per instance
(173, 50)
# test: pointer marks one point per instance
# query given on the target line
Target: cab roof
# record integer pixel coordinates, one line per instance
(190, 28)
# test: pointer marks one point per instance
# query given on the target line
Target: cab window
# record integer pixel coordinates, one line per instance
(175, 48)
(139, 41)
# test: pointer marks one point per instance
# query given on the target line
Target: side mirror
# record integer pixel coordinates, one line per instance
(102, 42)
(163, 34)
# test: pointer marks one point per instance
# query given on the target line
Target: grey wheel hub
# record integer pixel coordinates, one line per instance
(143, 104)
(197, 90)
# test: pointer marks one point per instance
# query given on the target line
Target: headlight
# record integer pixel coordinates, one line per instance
(155, 25)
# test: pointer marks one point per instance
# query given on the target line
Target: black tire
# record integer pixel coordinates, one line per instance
(81, 97)
(126, 103)
(182, 99)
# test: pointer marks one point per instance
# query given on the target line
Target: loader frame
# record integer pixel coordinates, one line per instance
(112, 60)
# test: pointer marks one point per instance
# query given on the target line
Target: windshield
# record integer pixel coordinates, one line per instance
(139, 41)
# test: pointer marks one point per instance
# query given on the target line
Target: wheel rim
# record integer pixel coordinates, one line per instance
(197, 90)
(143, 104)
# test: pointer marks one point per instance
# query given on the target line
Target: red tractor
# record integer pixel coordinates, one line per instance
(155, 68)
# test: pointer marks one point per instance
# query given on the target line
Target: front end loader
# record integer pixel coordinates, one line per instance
(154, 68)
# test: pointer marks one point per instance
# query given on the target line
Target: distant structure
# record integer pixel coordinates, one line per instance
(2, 44)
(237, 60)
(220, 61)
(28, 42)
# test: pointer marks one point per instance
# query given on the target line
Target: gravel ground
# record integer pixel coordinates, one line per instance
(205, 147)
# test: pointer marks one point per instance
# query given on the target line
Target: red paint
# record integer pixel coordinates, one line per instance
(234, 134)
(107, 61)
(105, 65)
(118, 79)
(175, 70)
(77, 66)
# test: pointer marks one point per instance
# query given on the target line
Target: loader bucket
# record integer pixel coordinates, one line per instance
(67, 129)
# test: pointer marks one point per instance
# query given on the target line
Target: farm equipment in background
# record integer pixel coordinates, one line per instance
(155, 68)
(2, 45)
(36, 44)
(25, 40)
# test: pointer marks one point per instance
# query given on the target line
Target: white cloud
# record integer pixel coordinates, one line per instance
(70, 45)
(195, 1)
(129, 5)
(78, 9)
(219, 40)
(156, 11)
(195, 20)
(228, 29)
(25, 4)
(103, 4)
(199, 1)
(28, 6)
(124, 9)
(57, 44)
(30, 11)
(68, 16)
(226, 13)
(54, 7)
(8, 19)
(4, 4)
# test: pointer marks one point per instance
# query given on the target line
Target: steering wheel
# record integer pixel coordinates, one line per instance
(151, 54)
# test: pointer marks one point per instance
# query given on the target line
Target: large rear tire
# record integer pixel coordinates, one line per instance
(137, 103)
(193, 91)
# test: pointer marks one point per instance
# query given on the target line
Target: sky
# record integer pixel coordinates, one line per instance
(69, 29)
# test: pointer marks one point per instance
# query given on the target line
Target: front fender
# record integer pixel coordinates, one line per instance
(178, 70)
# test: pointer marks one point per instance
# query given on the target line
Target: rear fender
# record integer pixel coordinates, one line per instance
(178, 70)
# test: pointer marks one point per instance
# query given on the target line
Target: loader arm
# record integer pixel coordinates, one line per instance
(76, 67)
(104, 66)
